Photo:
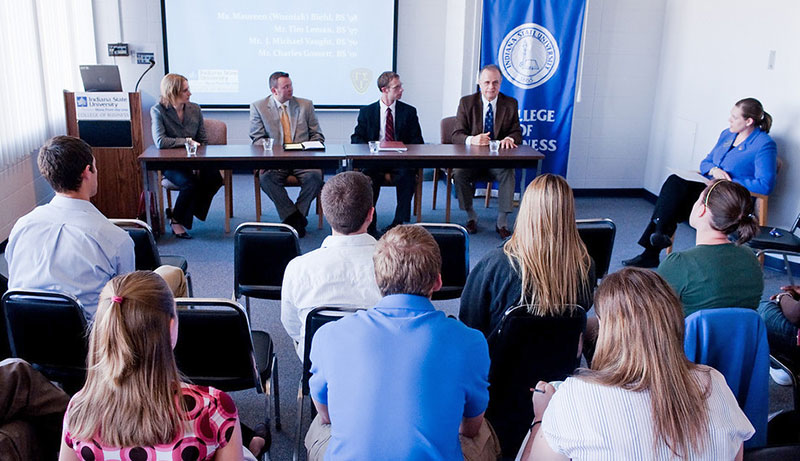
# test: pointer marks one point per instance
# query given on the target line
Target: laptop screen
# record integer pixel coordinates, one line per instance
(100, 78)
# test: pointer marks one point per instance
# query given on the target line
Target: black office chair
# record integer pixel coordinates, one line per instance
(146, 251)
(49, 331)
(241, 359)
(526, 349)
(598, 236)
(782, 426)
(453, 241)
(784, 242)
(782, 452)
(314, 320)
(261, 252)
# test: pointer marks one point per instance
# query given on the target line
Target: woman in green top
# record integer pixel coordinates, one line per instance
(716, 272)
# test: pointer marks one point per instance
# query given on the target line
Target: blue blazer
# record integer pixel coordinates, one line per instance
(406, 124)
(752, 163)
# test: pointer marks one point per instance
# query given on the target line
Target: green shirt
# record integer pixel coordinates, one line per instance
(709, 276)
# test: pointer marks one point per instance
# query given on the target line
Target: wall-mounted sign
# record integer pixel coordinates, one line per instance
(102, 106)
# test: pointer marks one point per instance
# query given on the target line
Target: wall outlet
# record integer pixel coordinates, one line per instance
(118, 49)
(144, 58)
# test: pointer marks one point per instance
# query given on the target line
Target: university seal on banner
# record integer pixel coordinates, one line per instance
(361, 78)
(528, 56)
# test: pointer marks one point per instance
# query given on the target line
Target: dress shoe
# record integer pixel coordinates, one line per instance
(472, 226)
(298, 223)
(643, 260)
(660, 241)
(503, 231)
(181, 235)
(390, 227)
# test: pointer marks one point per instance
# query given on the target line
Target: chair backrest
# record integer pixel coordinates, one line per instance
(734, 341)
(228, 364)
(5, 349)
(598, 236)
(48, 330)
(216, 131)
(261, 252)
(453, 241)
(525, 349)
(446, 128)
(314, 321)
(783, 453)
(144, 243)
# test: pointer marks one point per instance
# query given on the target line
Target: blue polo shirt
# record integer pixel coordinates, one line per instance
(397, 380)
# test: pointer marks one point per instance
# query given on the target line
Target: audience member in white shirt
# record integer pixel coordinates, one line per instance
(642, 398)
(340, 273)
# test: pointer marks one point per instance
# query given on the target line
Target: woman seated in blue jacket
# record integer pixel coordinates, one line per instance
(744, 153)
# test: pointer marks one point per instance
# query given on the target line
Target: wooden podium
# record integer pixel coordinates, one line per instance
(116, 146)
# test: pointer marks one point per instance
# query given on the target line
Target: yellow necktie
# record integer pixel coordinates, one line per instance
(287, 130)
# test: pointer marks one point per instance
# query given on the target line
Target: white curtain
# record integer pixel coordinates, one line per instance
(42, 43)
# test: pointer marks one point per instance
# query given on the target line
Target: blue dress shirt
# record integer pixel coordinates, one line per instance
(751, 164)
(397, 380)
(67, 245)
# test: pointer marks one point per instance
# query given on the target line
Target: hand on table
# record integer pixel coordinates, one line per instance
(480, 139)
(507, 143)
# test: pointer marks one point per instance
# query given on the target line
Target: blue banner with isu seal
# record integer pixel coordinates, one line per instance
(536, 45)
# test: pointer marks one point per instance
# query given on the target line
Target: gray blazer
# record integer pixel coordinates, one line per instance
(169, 131)
(265, 120)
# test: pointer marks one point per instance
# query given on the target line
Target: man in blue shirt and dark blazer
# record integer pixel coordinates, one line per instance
(388, 119)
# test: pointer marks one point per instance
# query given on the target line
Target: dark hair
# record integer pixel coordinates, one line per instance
(273, 79)
(752, 108)
(62, 160)
(731, 209)
(386, 78)
(346, 201)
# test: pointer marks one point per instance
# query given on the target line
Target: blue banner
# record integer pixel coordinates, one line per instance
(536, 44)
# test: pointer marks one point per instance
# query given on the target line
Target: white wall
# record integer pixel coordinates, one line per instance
(714, 53)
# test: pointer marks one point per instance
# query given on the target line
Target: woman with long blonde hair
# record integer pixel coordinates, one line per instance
(544, 264)
(642, 398)
(134, 404)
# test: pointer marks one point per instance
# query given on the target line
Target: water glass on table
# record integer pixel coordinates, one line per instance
(374, 146)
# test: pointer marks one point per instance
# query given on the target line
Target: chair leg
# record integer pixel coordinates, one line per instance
(319, 210)
(257, 184)
(435, 187)
(276, 392)
(162, 225)
(247, 306)
(449, 197)
(488, 193)
(227, 181)
(189, 284)
(788, 269)
(669, 248)
(298, 429)
(418, 196)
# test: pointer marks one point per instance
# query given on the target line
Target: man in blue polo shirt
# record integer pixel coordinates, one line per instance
(402, 380)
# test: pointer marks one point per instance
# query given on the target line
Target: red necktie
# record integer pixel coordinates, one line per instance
(389, 134)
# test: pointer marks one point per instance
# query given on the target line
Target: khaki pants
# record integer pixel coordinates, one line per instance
(175, 280)
(483, 447)
(31, 413)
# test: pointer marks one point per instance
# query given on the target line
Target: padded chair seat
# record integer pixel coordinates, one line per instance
(787, 241)
(448, 293)
(262, 348)
(175, 260)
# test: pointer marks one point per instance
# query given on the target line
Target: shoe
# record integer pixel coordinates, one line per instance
(780, 377)
(298, 223)
(262, 430)
(503, 231)
(390, 227)
(643, 260)
(472, 226)
(181, 235)
(660, 241)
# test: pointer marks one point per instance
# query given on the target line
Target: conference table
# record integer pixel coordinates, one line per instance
(349, 156)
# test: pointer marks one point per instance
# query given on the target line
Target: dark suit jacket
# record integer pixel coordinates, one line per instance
(469, 118)
(406, 124)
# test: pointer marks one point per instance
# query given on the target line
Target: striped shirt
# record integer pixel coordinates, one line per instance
(589, 421)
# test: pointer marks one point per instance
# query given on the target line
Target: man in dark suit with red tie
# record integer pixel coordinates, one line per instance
(389, 119)
(487, 115)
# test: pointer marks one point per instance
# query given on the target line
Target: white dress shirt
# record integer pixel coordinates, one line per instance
(68, 246)
(486, 104)
(383, 119)
(340, 273)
